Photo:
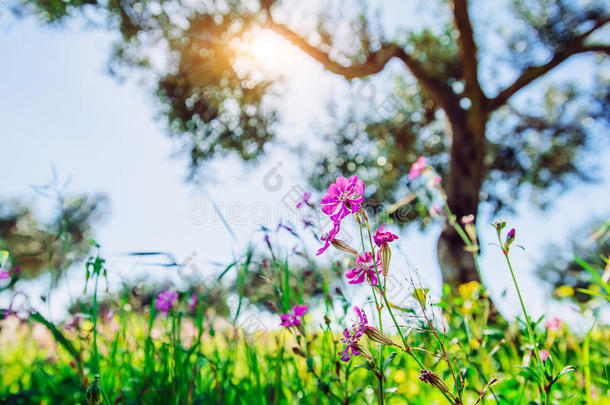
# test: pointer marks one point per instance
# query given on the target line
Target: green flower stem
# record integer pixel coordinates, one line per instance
(527, 320)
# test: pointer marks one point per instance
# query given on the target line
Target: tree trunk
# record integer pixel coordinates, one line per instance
(463, 188)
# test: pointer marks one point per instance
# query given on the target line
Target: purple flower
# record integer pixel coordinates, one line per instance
(304, 200)
(383, 238)
(351, 338)
(352, 349)
(166, 300)
(193, 301)
(417, 168)
(365, 268)
(362, 324)
(4, 275)
(343, 198)
(292, 319)
(328, 238)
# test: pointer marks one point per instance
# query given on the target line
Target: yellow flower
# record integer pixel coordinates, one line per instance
(469, 289)
(474, 343)
(564, 291)
(400, 376)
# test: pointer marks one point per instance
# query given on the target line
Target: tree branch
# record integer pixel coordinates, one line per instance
(467, 46)
(530, 74)
(376, 61)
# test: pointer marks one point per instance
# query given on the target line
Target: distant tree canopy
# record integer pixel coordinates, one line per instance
(453, 102)
(37, 247)
(590, 243)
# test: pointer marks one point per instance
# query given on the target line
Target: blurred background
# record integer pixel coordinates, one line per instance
(179, 133)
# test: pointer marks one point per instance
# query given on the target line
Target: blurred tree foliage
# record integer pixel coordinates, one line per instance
(454, 101)
(591, 243)
(52, 245)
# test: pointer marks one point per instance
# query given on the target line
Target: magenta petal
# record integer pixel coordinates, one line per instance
(341, 183)
(351, 273)
(299, 310)
(333, 190)
(358, 280)
(329, 208)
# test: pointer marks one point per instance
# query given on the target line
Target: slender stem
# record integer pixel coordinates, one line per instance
(96, 365)
(530, 332)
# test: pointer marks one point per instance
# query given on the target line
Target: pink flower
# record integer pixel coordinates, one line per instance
(437, 180)
(365, 268)
(553, 323)
(383, 238)
(166, 300)
(4, 275)
(328, 238)
(351, 345)
(292, 319)
(304, 200)
(362, 322)
(193, 301)
(351, 338)
(417, 168)
(544, 354)
(343, 198)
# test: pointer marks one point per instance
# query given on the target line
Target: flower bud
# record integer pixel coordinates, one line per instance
(344, 247)
(386, 255)
(430, 377)
(364, 352)
(298, 352)
(510, 237)
(376, 336)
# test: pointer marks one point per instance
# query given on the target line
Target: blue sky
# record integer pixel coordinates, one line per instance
(60, 107)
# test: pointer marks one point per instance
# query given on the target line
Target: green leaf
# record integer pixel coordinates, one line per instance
(566, 370)
(389, 359)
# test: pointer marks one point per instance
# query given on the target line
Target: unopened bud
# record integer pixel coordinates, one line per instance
(430, 377)
(510, 237)
(364, 352)
(376, 336)
(298, 352)
(386, 256)
(340, 245)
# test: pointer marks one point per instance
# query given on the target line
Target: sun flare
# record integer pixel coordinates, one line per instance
(267, 50)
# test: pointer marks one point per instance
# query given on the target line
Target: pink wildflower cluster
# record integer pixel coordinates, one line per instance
(344, 197)
(351, 337)
(365, 269)
(382, 237)
(292, 319)
(166, 300)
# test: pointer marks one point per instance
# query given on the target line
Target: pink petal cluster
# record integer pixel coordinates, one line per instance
(166, 300)
(351, 337)
(4, 274)
(343, 198)
(544, 354)
(553, 323)
(365, 268)
(382, 237)
(292, 319)
(417, 168)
